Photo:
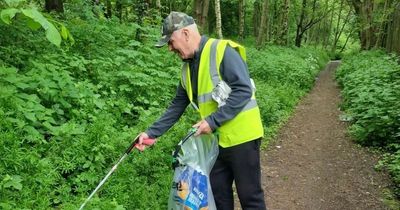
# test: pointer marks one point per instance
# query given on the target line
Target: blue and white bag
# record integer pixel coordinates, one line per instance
(191, 189)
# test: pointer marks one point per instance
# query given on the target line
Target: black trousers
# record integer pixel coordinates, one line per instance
(241, 164)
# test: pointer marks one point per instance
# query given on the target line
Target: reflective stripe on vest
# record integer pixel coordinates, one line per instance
(247, 124)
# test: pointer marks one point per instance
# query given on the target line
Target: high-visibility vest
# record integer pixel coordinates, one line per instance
(245, 126)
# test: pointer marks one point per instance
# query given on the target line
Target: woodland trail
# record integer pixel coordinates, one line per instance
(313, 164)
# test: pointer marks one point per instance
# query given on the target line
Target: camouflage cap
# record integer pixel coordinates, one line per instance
(174, 21)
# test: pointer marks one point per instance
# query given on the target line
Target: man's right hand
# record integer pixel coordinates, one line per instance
(144, 141)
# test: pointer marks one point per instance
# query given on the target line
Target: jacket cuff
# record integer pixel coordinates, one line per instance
(211, 123)
(151, 135)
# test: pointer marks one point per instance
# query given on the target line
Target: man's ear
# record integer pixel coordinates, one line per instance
(187, 33)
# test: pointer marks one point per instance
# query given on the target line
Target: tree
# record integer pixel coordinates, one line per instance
(257, 10)
(218, 19)
(54, 5)
(328, 26)
(242, 6)
(140, 10)
(339, 28)
(201, 13)
(263, 25)
(108, 13)
(393, 31)
(284, 23)
(158, 5)
(204, 16)
(118, 8)
(372, 18)
(303, 24)
(367, 29)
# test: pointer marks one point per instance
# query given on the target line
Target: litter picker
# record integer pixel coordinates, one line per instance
(127, 152)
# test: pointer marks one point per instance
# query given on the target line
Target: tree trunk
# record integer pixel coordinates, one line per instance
(198, 5)
(364, 10)
(339, 30)
(283, 32)
(314, 19)
(218, 19)
(263, 24)
(336, 30)
(393, 39)
(201, 13)
(108, 13)
(347, 39)
(382, 29)
(256, 17)
(204, 15)
(118, 7)
(54, 5)
(274, 17)
(242, 4)
(140, 9)
(158, 6)
(328, 35)
(299, 30)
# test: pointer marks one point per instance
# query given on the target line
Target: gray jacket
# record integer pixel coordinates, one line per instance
(233, 71)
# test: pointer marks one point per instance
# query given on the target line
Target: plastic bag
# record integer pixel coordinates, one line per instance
(191, 189)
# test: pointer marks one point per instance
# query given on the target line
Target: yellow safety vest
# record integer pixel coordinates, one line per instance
(245, 126)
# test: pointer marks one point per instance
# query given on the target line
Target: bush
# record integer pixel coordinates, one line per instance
(371, 94)
(371, 91)
(283, 76)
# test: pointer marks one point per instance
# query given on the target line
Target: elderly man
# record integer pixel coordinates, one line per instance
(216, 82)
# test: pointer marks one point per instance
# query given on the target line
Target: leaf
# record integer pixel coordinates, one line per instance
(53, 36)
(36, 16)
(14, 3)
(99, 103)
(33, 24)
(51, 32)
(70, 38)
(64, 32)
(87, 164)
(8, 14)
(5, 206)
(30, 116)
(80, 130)
(13, 181)
(18, 122)
(120, 207)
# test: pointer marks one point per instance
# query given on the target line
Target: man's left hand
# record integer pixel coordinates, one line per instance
(202, 128)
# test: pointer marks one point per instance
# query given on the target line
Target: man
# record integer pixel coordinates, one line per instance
(215, 80)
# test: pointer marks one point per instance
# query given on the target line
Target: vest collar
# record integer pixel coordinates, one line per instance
(197, 53)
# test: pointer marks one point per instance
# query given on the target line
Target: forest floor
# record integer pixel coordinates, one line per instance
(314, 164)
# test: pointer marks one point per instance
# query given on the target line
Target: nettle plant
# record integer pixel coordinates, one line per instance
(371, 91)
(21, 10)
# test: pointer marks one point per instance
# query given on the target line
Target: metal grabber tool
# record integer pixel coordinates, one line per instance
(127, 152)
(175, 162)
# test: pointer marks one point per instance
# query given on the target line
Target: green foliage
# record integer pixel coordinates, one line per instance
(35, 19)
(391, 161)
(371, 93)
(283, 76)
(68, 113)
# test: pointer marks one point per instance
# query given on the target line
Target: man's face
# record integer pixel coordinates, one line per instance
(178, 43)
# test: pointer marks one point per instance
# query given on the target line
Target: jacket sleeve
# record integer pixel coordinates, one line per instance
(171, 115)
(234, 72)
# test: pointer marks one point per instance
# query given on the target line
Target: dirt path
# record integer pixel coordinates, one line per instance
(313, 164)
